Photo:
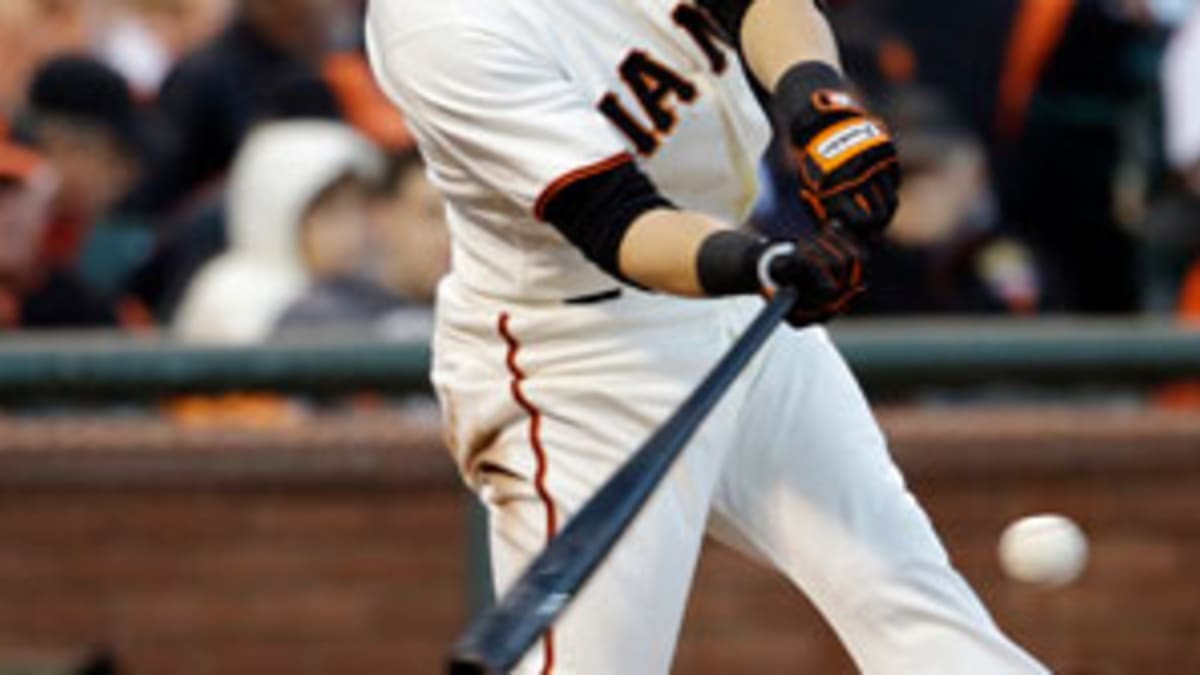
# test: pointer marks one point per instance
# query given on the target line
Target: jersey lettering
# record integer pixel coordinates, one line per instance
(706, 33)
(643, 139)
(659, 89)
(654, 83)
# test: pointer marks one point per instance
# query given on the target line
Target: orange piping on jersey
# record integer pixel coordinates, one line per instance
(566, 180)
(539, 452)
(1037, 30)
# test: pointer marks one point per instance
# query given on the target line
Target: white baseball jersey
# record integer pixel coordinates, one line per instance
(511, 99)
(542, 399)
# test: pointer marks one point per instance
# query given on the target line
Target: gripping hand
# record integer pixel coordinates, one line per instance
(826, 267)
(845, 158)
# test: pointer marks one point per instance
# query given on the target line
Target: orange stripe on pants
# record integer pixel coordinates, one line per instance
(535, 442)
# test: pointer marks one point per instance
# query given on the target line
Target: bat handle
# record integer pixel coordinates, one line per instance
(499, 637)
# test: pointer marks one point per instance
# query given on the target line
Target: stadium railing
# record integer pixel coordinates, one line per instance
(886, 355)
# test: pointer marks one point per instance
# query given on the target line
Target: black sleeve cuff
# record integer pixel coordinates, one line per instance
(595, 206)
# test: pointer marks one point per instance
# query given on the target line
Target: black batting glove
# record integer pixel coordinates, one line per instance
(825, 267)
(846, 160)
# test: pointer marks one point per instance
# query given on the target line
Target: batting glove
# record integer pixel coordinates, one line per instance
(825, 267)
(845, 158)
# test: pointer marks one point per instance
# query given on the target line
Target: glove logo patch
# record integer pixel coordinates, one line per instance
(828, 100)
(844, 141)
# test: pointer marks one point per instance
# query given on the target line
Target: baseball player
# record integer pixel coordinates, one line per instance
(596, 156)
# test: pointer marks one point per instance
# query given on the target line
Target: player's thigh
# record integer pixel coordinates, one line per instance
(810, 487)
(808, 453)
(627, 617)
(575, 420)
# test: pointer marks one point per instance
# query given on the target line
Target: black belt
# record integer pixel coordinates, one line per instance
(595, 298)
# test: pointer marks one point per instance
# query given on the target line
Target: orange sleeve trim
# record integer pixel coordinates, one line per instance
(567, 179)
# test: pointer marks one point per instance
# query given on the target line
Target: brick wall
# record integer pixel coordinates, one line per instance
(1132, 481)
(203, 581)
(352, 560)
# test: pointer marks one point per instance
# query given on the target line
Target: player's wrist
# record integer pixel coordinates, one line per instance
(807, 95)
(728, 263)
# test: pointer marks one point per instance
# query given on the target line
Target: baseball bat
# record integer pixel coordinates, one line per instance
(499, 637)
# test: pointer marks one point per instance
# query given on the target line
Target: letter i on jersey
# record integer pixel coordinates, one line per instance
(658, 88)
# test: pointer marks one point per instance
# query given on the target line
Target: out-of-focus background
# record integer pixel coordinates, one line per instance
(218, 250)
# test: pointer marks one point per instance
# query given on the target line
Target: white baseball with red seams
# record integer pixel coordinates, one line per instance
(510, 100)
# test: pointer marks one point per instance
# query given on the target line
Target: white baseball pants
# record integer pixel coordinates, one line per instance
(543, 402)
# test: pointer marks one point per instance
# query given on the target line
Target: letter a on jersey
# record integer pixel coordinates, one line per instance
(657, 89)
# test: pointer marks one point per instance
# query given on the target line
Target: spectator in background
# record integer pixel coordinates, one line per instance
(142, 39)
(263, 67)
(1062, 93)
(32, 294)
(945, 250)
(410, 215)
(266, 57)
(32, 31)
(82, 117)
(190, 237)
(297, 215)
(1073, 126)
(389, 290)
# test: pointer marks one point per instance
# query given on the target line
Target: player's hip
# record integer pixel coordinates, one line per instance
(622, 363)
(612, 319)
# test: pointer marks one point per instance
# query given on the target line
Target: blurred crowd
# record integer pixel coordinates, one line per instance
(226, 170)
(1050, 151)
(222, 169)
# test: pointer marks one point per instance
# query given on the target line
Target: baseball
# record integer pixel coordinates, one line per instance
(1045, 550)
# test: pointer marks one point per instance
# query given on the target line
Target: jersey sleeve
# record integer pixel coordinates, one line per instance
(500, 110)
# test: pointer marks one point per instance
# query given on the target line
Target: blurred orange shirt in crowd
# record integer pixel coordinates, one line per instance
(31, 31)
(1189, 305)
(365, 106)
(1186, 395)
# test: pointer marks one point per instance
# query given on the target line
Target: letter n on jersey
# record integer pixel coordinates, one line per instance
(657, 87)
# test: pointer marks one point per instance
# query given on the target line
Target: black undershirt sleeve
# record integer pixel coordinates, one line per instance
(594, 212)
